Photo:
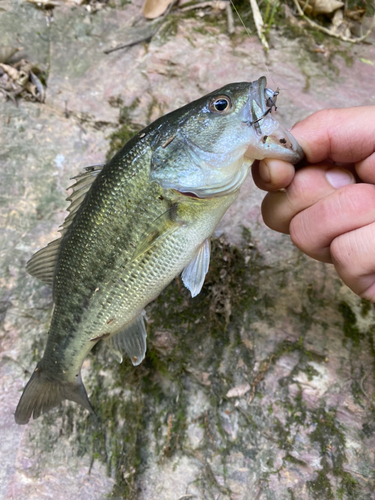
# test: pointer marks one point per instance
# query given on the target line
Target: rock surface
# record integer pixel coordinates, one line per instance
(259, 388)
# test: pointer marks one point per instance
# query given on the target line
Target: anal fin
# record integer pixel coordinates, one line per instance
(130, 340)
(195, 272)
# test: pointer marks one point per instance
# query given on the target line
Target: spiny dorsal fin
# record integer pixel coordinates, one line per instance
(42, 264)
(130, 340)
(83, 184)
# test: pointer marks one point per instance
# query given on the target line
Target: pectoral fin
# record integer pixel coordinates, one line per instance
(130, 340)
(160, 228)
(195, 272)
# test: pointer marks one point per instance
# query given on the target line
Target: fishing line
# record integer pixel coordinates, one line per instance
(262, 60)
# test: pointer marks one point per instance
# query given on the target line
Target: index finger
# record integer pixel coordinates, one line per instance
(342, 135)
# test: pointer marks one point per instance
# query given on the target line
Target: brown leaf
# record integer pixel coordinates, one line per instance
(237, 392)
(12, 72)
(316, 7)
(45, 4)
(326, 6)
(155, 8)
(7, 52)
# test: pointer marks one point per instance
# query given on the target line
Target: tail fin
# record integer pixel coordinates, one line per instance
(43, 393)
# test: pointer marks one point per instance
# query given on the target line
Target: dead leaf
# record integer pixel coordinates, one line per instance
(366, 61)
(31, 88)
(39, 86)
(9, 70)
(326, 6)
(214, 4)
(155, 8)
(316, 7)
(238, 391)
(356, 15)
(339, 25)
(45, 4)
(7, 52)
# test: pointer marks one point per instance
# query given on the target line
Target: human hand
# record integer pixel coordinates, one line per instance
(328, 207)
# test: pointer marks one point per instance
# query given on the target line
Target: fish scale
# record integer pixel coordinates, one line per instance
(137, 223)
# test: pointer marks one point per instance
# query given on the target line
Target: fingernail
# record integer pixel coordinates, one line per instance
(264, 172)
(338, 177)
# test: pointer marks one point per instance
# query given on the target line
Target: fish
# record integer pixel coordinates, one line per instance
(139, 221)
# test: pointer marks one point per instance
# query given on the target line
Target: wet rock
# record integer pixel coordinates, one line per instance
(274, 321)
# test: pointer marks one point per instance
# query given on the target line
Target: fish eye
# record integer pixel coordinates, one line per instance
(220, 104)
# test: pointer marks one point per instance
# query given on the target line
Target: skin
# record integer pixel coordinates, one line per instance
(328, 206)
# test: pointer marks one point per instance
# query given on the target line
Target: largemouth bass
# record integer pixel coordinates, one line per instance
(138, 222)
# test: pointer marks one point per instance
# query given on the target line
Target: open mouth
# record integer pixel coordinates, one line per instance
(188, 194)
(258, 108)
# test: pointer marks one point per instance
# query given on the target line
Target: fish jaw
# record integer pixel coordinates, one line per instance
(275, 142)
(270, 139)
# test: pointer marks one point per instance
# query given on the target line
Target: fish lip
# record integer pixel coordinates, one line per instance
(188, 194)
(284, 145)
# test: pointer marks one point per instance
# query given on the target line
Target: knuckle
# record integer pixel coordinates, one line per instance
(299, 232)
(341, 253)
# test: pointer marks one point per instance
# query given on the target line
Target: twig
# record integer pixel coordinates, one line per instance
(201, 5)
(169, 435)
(145, 38)
(259, 23)
(132, 42)
(329, 32)
(230, 19)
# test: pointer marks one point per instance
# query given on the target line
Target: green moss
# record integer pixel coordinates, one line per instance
(291, 493)
(366, 307)
(321, 487)
(329, 435)
(293, 460)
(351, 331)
(128, 128)
(145, 408)
(134, 405)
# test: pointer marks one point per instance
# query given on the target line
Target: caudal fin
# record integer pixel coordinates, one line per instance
(43, 393)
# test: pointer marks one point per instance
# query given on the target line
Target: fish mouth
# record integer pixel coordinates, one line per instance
(189, 194)
(273, 139)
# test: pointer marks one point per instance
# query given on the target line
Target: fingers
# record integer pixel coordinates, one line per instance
(342, 135)
(353, 256)
(272, 175)
(347, 209)
(366, 169)
(310, 185)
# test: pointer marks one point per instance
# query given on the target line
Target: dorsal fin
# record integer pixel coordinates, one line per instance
(42, 264)
(83, 184)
